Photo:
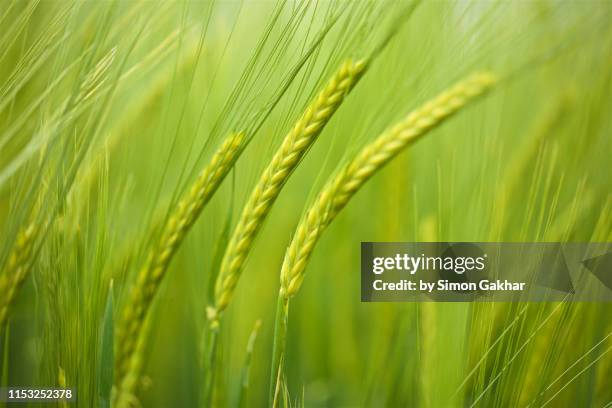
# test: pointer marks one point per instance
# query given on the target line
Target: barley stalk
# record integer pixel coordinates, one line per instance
(370, 159)
(428, 326)
(173, 233)
(61, 382)
(428, 231)
(278, 348)
(603, 370)
(16, 270)
(294, 147)
(513, 181)
(246, 369)
(534, 371)
(337, 192)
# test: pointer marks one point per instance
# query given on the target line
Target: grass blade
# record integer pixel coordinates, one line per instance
(106, 357)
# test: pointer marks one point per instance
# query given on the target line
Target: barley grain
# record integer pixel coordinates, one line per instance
(337, 192)
(16, 270)
(124, 395)
(370, 159)
(173, 233)
(288, 156)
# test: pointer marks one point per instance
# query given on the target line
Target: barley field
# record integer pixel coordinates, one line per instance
(184, 187)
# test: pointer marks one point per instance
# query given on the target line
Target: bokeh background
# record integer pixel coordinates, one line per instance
(108, 110)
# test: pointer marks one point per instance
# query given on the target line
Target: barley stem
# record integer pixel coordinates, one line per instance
(278, 350)
(246, 370)
(212, 338)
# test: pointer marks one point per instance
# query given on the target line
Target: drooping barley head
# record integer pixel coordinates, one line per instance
(336, 193)
(294, 147)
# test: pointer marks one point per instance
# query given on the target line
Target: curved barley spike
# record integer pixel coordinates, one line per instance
(173, 233)
(17, 268)
(124, 394)
(285, 160)
(370, 159)
(339, 190)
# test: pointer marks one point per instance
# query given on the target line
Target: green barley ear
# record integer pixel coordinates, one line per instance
(287, 157)
(124, 394)
(174, 231)
(339, 190)
(370, 159)
(16, 270)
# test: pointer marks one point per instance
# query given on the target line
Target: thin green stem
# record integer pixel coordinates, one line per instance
(211, 360)
(4, 345)
(246, 369)
(278, 351)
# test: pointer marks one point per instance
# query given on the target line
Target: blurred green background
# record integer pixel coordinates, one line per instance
(108, 110)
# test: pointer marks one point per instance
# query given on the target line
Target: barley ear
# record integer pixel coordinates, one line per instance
(336, 193)
(124, 395)
(174, 231)
(16, 270)
(285, 160)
